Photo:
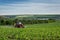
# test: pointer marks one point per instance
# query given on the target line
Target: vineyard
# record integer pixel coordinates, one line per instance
(45, 31)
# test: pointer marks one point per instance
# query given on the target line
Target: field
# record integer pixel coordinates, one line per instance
(48, 31)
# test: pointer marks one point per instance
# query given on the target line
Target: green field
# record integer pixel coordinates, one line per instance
(48, 31)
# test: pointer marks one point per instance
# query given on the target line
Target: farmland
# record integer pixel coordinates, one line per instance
(45, 31)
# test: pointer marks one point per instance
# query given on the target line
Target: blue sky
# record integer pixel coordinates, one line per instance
(12, 7)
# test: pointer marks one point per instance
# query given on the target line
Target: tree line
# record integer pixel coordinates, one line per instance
(10, 21)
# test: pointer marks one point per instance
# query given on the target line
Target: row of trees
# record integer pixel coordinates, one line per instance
(12, 21)
(6, 22)
(37, 21)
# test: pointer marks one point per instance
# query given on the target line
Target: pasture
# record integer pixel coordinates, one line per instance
(45, 31)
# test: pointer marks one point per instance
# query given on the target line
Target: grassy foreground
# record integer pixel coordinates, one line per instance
(49, 31)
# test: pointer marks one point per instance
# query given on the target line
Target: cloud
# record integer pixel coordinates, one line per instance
(46, 1)
(29, 8)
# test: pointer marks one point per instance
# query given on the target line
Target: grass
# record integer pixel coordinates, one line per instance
(50, 31)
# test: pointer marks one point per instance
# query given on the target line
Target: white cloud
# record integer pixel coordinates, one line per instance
(29, 8)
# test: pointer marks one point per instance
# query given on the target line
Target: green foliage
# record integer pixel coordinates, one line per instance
(36, 21)
(6, 21)
(51, 20)
(11, 21)
(50, 31)
(2, 22)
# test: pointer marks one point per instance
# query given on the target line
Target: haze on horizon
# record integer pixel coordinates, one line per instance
(18, 7)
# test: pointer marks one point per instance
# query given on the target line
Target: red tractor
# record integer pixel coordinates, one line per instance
(19, 25)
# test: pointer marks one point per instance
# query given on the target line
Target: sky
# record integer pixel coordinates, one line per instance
(18, 7)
